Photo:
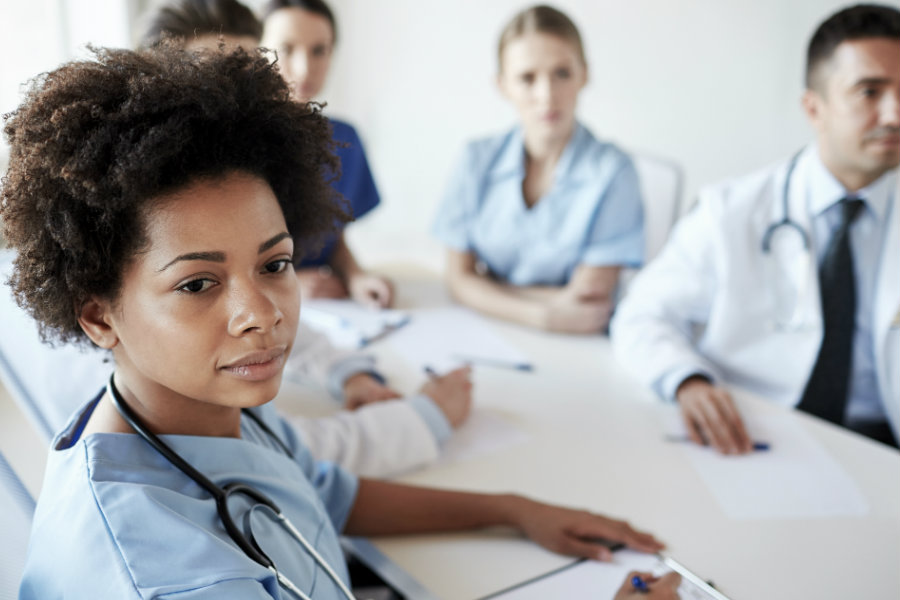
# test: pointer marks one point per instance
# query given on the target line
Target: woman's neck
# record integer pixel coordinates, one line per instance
(162, 411)
(541, 156)
(545, 150)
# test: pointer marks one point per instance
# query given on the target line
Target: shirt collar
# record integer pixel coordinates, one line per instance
(569, 166)
(825, 190)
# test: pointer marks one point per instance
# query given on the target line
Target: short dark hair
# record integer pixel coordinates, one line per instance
(318, 7)
(95, 142)
(862, 21)
(185, 19)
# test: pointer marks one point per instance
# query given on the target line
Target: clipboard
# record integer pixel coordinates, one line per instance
(589, 579)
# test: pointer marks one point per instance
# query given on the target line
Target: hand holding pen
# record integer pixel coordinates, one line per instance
(645, 586)
(452, 393)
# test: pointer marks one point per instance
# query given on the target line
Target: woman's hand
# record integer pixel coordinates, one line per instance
(362, 389)
(658, 588)
(371, 290)
(575, 532)
(566, 312)
(452, 393)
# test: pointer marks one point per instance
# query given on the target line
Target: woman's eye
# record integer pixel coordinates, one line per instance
(195, 286)
(277, 266)
(563, 73)
(527, 78)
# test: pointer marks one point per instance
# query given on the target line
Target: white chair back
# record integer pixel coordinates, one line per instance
(47, 383)
(662, 183)
(16, 514)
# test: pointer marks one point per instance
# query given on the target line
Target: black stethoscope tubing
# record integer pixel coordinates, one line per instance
(219, 494)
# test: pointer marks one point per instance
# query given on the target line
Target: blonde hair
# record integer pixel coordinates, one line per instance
(540, 19)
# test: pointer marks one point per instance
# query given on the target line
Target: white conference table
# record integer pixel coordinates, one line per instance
(595, 441)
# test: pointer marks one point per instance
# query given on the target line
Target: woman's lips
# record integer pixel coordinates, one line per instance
(257, 366)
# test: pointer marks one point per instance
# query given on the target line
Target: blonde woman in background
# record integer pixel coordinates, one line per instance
(539, 220)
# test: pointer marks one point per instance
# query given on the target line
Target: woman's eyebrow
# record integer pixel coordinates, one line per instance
(220, 256)
(210, 256)
(266, 245)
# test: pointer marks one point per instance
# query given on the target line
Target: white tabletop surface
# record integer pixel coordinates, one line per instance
(595, 441)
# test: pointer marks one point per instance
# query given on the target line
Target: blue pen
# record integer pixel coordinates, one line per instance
(431, 372)
(757, 446)
(639, 584)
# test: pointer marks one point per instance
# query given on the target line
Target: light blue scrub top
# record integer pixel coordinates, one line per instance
(593, 214)
(116, 520)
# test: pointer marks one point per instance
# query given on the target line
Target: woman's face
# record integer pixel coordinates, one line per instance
(208, 312)
(541, 74)
(304, 41)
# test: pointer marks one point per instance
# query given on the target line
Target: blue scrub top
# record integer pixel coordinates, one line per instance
(356, 184)
(116, 520)
(593, 214)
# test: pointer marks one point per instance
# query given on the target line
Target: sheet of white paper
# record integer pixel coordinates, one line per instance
(795, 478)
(590, 580)
(483, 433)
(445, 338)
(349, 324)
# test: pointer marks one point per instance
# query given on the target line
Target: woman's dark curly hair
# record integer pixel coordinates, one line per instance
(94, 142)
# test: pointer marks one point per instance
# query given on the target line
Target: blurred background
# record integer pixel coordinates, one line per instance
(712, 85)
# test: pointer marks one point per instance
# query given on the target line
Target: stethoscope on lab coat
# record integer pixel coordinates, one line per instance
(795, 319)
(246, 542)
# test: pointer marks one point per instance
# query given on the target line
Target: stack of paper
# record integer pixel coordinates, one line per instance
(349, 324)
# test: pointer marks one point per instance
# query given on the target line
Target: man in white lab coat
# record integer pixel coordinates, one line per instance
(786, 282)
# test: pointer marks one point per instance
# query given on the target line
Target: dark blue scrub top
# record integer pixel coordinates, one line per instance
(356, 184)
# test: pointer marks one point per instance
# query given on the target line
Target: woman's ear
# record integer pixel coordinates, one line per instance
(95, 321)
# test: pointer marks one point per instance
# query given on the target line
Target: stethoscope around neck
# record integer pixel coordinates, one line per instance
(785, 220)
(245, 541)
(789, 318)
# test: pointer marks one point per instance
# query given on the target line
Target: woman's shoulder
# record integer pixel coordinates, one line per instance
(488, 153)
(342, 131)
(600, 152)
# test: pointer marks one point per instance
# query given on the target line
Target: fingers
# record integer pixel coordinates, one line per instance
(628, 588)
(618, 531)
(373, 291)
(573, 546)
(656, 588)
(386, 393)
(712, 416)
(734, 421)
(669, 581)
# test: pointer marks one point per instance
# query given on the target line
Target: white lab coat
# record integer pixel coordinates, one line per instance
(377, 440)
(709, 302)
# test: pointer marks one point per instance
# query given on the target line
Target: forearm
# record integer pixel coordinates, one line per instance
(384, 508)
(498, 300)
(342, 260)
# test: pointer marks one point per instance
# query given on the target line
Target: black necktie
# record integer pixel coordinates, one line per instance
(826, 391)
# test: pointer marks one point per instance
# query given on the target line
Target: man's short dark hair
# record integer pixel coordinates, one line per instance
(863, 21)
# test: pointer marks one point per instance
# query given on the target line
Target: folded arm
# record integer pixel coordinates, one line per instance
(581, 306)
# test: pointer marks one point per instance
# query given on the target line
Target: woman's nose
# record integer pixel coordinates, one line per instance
(252, 310)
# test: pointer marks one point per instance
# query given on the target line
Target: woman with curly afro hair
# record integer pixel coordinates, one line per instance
(156, 203)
